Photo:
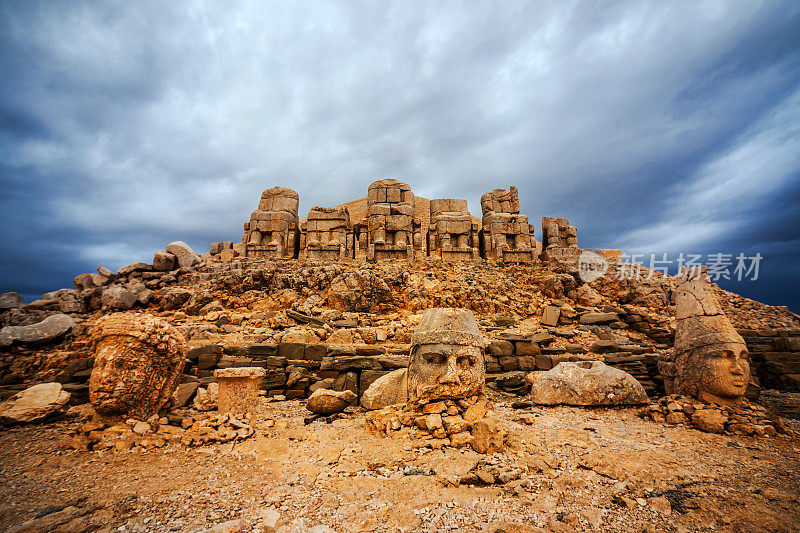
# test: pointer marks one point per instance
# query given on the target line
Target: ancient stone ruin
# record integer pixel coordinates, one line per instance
(137, 364)
(327, 235)
(399, 355)
(274, 228)
(388, 231)
(507, 236)
(446, 357)
(710, 371)
(445, 386)
(393, 223)
(559, 239)
(453, 234)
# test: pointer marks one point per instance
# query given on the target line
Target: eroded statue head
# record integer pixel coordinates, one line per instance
(138, 362)
(712, 361)
(446, 356)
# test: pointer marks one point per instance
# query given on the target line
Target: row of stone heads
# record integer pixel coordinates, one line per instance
(390, 224)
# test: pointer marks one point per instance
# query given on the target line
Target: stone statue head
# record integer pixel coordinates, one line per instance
(138, 362)
(446, 356)
(712, 362)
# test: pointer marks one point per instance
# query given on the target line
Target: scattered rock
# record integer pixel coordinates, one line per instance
(328, 402)
(34, 403)
(586, 383)
(48, 330)
(10, 300)
(206, 399)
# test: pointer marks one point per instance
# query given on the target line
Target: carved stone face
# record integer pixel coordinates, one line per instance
(721, 372)
(439, 371)
(125, 375)
(138, 361)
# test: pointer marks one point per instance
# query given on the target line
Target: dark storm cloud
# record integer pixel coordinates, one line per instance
(660, 127)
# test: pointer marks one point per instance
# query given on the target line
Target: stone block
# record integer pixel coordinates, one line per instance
(508, 363)
(207, 360)
(291, 350)
(274, 361)
(349, 362)
(550, 316)
(527, 348)
(598, 318)
(315, 352)
(500, 348)
(368, 377)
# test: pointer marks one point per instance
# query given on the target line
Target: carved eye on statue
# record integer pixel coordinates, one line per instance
(435, 358)
(465, 361)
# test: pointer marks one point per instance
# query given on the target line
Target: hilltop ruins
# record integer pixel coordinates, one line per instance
(397, 353)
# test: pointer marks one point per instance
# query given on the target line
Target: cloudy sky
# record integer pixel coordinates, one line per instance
(661, 127)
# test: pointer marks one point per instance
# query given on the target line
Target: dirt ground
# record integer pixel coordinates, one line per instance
(582, 470)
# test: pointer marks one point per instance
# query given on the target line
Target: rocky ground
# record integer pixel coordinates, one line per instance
(570, 469)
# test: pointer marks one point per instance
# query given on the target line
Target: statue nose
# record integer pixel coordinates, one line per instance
(738, 366)
(450, 373)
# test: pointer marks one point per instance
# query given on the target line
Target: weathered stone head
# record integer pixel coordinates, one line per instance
(712, 363)
(138, 362)
(446, 356)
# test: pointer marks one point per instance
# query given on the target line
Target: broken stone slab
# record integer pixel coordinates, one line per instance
(10, 300)
(586, 383)
(34, 403)
(349, 362)
(136, 266)
(328, 402)
(387, 390)
(48, 330)
(598, 318)
(550, 316)
(301, 317)
(184, 393)
(238, 388)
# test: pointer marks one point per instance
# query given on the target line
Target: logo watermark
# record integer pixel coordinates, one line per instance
(591, 266)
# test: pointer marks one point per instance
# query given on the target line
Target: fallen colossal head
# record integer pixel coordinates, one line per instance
(446, 356)
(712, 361)
(138, 363)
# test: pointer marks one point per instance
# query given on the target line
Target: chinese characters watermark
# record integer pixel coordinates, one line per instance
(721, 266)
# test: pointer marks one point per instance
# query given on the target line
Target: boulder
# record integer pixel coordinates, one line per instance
(489, 436)
(108, 273)
(328, 402)
(710, 420)
(184, 393)
(83, 281)
(118, 299)
(10, 300)
(175, 297)
(48, 330)
(34, 403)
(71, 301)
(163, 261)
(588, 296)
(184, 255)
(387, 390)
(586, 383)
